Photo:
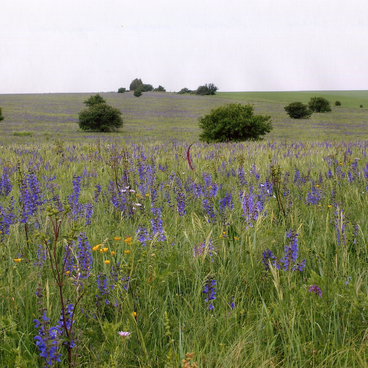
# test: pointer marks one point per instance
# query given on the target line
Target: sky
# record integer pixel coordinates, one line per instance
(51, 46)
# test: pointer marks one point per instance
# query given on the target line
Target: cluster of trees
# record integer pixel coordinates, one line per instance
(207, 89)
(298, 110)
(99, 116)
(138, 87)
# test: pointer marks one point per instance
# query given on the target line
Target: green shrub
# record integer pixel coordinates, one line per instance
(319, 104)
(100, 118)
(209, 89)
(138, 92)
(185, 90)
(146, 87)
(361, 106)
(121, 90)
(337, 103)
(159, 89)
(298, 110)
(1, 115)
(233, 122)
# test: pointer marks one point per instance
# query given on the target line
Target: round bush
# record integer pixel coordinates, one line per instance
(233, 122)
(1, 115)
(298, 110)
(138, 92)
(319, 104)
(337, 103)
(100, 118)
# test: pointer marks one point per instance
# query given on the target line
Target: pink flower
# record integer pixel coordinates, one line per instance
(123, 334)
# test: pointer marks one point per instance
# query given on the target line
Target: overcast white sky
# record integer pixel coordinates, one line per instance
(239, 45)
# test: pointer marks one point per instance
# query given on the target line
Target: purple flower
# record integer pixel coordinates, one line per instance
(316, 290)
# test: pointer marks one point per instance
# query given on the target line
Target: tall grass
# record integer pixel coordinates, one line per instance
(196, 289)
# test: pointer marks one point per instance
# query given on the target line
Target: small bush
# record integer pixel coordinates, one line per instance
(233, 122)
(319, 104)
(100, 118)
(337, 103)
(138, 92)
(361, 106)
(159, 89)
(1, 115)
(298, 110)
(185, 90)
(121, 90)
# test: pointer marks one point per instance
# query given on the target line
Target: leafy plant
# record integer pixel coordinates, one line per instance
(319, 104)
(1, 116)
(337, 103)
(298, 110)
(121, 90)
(138, 92)
(100, 118)
(233, 122)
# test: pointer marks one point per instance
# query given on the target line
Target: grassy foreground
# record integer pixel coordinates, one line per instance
(258, 258)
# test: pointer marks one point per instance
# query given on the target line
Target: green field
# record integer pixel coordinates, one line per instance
(165, 116)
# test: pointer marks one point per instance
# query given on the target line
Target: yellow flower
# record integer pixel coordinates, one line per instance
(224, 232)
(67, 272)
(317, 186)
(17, 260)
(126, 251)
(134, 314)
(329, 206)
(107, 261)
(235, 238)
(128, 240)
(104, 250)
(220, 236)
(96, 247)
(112, 253)
(117, 238)
(147, 195)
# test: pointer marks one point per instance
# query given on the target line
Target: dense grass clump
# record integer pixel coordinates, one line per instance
(124, 256)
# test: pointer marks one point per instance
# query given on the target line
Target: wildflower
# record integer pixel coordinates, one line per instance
(126, 251)
(236, 238)
(17, 260)
(134, 314)
(112, 253)
(107, 261)
(316, 290)
(104, 250)
(96, 247)
(209, 290)
(117, 238)
(123, 334)
(128, 240)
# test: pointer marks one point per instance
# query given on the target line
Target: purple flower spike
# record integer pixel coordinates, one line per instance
(316, 290)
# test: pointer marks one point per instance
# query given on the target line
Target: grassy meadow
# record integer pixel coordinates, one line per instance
(115, 253)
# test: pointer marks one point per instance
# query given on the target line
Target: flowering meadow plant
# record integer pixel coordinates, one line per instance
(126, 255)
